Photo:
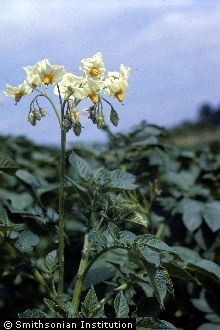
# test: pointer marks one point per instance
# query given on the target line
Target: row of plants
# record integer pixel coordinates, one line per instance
(117, 230)
(144, 213)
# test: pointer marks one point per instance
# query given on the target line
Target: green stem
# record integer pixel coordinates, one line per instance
(61, 208)
(41, 280)
(61, 179)
(52, 104)
(80, 274)
(34, 270)
(160, 230)
(84, 267)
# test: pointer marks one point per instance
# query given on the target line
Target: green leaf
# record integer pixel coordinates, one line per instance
(51, 264)
(148, 323)
(178, 271)
(9, 228)
(98, 273)
(187, 255)
(153, 242)
(52, 215)
(211, 214)
(33, 313)
(26, 241)
(184, 180)
(114, 231)
(19, 201)
(125, 237)
(207, 268)
(51, 259)
(28, 178)
(115, 180)
(7, 164)
(149, 255)
(61, 307)
(212, 317)
(121, 305)
(5, 225)
(75, 184)
(48, 188)
(81, 167)
(91, 308)
(169, 282)
(191, 213)
(161, 283)
(3, 215)
(98, 238)
(137, 219)
(201, 304)
(43, 157)
(121, 180)
(53, 307)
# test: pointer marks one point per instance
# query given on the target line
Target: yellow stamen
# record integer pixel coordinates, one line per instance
(94, 97)
(48, 79)
(119, 96)
(18, 96)
(33, 85)
(94, 72)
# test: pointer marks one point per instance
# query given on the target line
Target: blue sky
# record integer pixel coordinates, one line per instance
(172, 46)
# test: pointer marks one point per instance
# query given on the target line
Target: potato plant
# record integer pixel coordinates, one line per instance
(136, 233)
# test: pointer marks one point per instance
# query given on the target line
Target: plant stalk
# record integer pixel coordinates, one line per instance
(61, 212)
(80, 274)
(160, 230)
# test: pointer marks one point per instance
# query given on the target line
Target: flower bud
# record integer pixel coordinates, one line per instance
(37, 114)
(100, 121)
(67, 124)
(114, 118)
(93, 114)
(32, 118)
(74, 115)
(42, 112)
(77, 129)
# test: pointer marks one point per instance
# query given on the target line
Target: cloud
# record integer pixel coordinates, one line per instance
(173, 47)
(47, 16)
(177, 31)
(32, 25)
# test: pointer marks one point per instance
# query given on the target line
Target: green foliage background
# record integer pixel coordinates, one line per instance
(154, 208)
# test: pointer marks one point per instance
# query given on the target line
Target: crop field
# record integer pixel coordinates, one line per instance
(147, 207)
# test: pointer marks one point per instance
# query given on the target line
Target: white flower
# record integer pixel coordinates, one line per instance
(50, 74)
(32, 76)
(93, 66)
(89, 88)
(79, 88)
(116, 88)
(116, 83)
(67, 86)
(123, 74)
(18, 92)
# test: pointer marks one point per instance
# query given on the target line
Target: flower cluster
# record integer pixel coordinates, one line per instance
(72, 89)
